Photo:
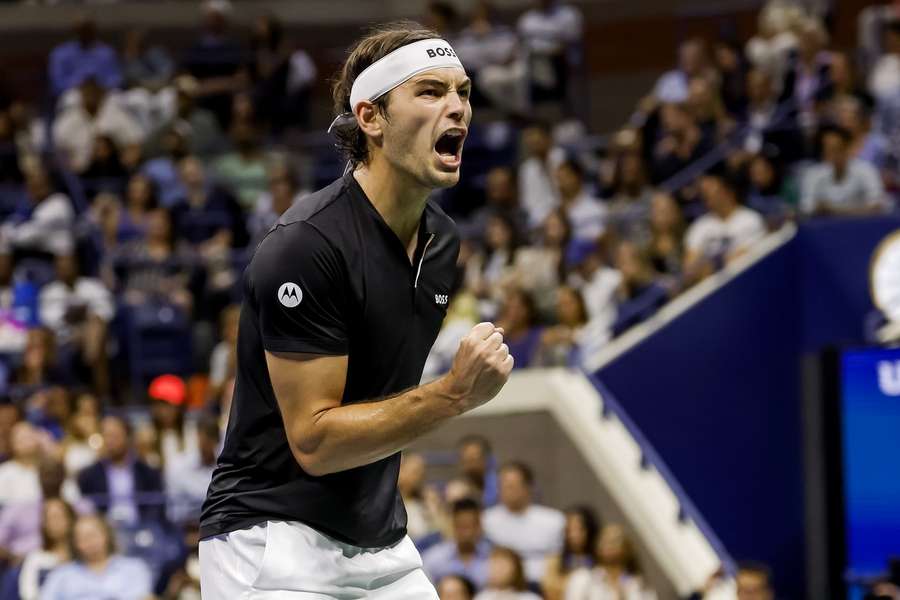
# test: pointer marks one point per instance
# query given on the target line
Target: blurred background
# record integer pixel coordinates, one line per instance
(681, 212)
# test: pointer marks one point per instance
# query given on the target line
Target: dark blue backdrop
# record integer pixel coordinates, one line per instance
(718, 390)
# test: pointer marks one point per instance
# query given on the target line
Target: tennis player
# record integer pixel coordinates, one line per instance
(342, 302)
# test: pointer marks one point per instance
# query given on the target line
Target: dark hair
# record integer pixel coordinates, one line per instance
(380, 42)
(631, 564)
(465, 505)
(209, 426)
(893, 26)
(524, 470)
(839, 131)
(126, 425)
(752, 566)
(46, 542)
(573, 165)
(465, 581)
(474, 438)
(519, 583)
(444, 10)
(591, 524)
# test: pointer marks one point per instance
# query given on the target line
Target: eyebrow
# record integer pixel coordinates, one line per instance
(443, 84)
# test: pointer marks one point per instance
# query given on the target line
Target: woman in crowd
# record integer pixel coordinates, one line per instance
(97, 571)
(176, 437)
(640, 293)
(488, 268)
(140, 200)
(666, 247)
(616, 575)
(518, 318)
(629, 200)
(82, 439)
(57, 519)
(578, 551)
(455, 587)
(540, 268)
(559, 341)
(506, 577)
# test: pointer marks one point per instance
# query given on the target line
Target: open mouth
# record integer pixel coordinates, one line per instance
(449, 146)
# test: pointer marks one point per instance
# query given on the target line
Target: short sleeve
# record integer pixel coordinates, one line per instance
(299, 287)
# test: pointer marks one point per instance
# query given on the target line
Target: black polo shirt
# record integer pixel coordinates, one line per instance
(330, 278)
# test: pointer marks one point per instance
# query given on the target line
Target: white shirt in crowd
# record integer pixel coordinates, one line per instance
(18, 483)
(884, 80)
(861, 186)
(506, 595)
(479, 49)
(537, 188)
(594, 584)
(712, 236)
(186, 483)
(587, 217)
(534, 533)
(35, 567)
(549, 32)
(57, 298)
(48, 229)
(74, 130)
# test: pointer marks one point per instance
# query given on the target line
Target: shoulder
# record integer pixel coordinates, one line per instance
(864, 168)
(439, 552)
(550, 515)
(748, 217)
(445, 229)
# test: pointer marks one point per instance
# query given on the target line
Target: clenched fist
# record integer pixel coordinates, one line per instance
(480, 368)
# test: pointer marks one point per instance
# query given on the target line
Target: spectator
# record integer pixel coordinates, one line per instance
(532, 530)
(163, 170)
(616, 574)
(506, 577)
(140, 200)
(144, 65)
(105, 171)
(769, 121)
(841, 184)
(726, 231)
(79, 309)
(243, 170)
(539, 268)
(597, 282)
(501, 197)
(455, 587)
(681, 142)
(478, 466)
(518, 318)
(176, 437)
(587, 217)
(704, 102)
(196, 126)
(84, 56)
(97, 571)
(209, 217)
(754, 582)
(537, 187)
(884, 78)
(693, 61)
(810, 71)
(775, 41)
(282, 76)
(640, 293)
(866, 144)
(217, 60)
(20, 519)
(87, 113)
(156, 268)
(19, 475)
(223, 360)
(629, 199)
(10, 414)
(44, 226)
(411, 484)
(125, 489)
(732, 66)
(82, 440)
(483, 45)
(560, 344)
(467, 553)
(441, 17)
(284, 191)
(189, 477)
(577, 553)
(550, 35)
(768, 193)
(39, 366)
(844, 82)
(57, 521)
(488, 269)
(665, 248)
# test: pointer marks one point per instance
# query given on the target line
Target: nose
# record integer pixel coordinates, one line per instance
(456, 106)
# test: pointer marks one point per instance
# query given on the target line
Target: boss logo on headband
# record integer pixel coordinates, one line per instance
(435, 52)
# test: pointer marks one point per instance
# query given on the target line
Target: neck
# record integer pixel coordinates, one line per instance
(399, 199)
(98, 564)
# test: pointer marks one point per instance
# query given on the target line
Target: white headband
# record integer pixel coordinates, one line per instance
(395, 68)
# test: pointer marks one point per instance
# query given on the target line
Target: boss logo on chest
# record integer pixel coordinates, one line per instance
(440, 51)
(441, 299)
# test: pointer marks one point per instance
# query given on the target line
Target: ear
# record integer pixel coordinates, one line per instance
(367, 118)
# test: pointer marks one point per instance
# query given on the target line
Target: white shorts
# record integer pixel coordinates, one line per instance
(286, 560)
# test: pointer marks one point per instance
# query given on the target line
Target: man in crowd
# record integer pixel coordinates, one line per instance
(478, 466)
(70, 61)
(532, 530)
(467, 553)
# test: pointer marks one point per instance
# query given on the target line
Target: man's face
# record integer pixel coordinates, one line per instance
(834, 149)
(466, 529)
(428, 119)
(514, 492)
(115, 438)
(472, 460)
(752, 585)
(714, 194)
(24, 441)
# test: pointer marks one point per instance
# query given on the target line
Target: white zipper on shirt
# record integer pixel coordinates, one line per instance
(421, 260)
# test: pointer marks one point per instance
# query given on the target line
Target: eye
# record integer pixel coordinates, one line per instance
(429, 92)
(465, 92)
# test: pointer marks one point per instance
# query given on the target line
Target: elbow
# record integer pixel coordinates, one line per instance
(311, 464)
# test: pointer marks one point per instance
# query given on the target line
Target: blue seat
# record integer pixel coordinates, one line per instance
(159, 341)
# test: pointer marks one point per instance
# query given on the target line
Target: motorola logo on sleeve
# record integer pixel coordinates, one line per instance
(289, 294)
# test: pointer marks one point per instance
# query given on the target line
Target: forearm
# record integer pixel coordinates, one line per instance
(345, 437)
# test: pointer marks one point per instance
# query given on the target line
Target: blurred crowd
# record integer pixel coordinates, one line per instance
(130, 206)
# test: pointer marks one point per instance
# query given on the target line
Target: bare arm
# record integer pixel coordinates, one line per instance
(326, 437)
